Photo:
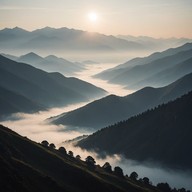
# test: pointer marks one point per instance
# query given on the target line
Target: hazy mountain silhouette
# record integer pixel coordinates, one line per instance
(112, 108)
(51, 63)
(63, 39)
(45, 89)
(141, 72)
(29, 166)
(156, 43)
(162, 135)
(166, 76)
(140, 69)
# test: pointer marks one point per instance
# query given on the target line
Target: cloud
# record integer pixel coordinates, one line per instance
(36, 128)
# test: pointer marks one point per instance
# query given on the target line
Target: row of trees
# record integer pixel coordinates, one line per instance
(118, 171)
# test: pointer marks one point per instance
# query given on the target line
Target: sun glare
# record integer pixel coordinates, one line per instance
(93, 17)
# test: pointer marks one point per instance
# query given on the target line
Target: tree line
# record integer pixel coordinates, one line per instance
(118, 171)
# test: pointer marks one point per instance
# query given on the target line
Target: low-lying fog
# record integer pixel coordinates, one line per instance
(92, 69)
(36, 128)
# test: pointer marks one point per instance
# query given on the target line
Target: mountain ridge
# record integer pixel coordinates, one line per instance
(161, 134)
(111, 109)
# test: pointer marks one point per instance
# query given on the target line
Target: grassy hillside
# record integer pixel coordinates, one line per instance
(29, 166)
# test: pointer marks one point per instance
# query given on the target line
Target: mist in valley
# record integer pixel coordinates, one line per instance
(37, 127)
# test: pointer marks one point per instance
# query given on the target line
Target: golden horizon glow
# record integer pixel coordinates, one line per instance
(159, 18)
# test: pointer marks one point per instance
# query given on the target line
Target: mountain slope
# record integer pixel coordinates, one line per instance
(28, 166)
(141, 72)
(166, 76)
(162, 135)
(46, 89)
(51, 63)
(11, 102)
(138, 69)
(112, 108)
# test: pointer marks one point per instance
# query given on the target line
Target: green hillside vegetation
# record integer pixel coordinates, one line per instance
(29, 166)
(162, 135)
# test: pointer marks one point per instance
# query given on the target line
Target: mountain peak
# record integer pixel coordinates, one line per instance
(31, 55)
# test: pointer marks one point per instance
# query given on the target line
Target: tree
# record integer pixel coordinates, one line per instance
(118, 171)
(164, 187)
(45, 143)
(52, 146)
(146, 180)
(62, 150)
(107, 167)
(70, 153)
(78, 157)
(134, 175)
(182, 190)
(90, 161)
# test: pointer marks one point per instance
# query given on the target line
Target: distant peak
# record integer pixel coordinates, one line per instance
(51, 57)
(18, 29)
(31, 55)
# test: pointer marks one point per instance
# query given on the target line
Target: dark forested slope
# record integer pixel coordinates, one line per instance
(162, 134)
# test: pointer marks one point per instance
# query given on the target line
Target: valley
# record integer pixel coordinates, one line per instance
(133, 112)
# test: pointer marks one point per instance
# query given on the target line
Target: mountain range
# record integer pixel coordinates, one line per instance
(66, 39)
(29, 166)
(156, 43)
(62, 39)
(160, 135)
(50, 63)
(158, 69)
(111, 109)
(39, 88)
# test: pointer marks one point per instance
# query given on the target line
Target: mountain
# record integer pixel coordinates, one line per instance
(45, 89)
(112, 109)
(11, 102)
(141, 72)
(29, 166)
(62, 39)
(51, 63)
(165, 76)
(156, 43)
(139, 69)
(162, 135)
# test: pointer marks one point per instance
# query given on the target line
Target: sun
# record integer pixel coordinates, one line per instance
(93, 16)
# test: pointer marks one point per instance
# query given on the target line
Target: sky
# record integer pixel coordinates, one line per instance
(156, 18)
